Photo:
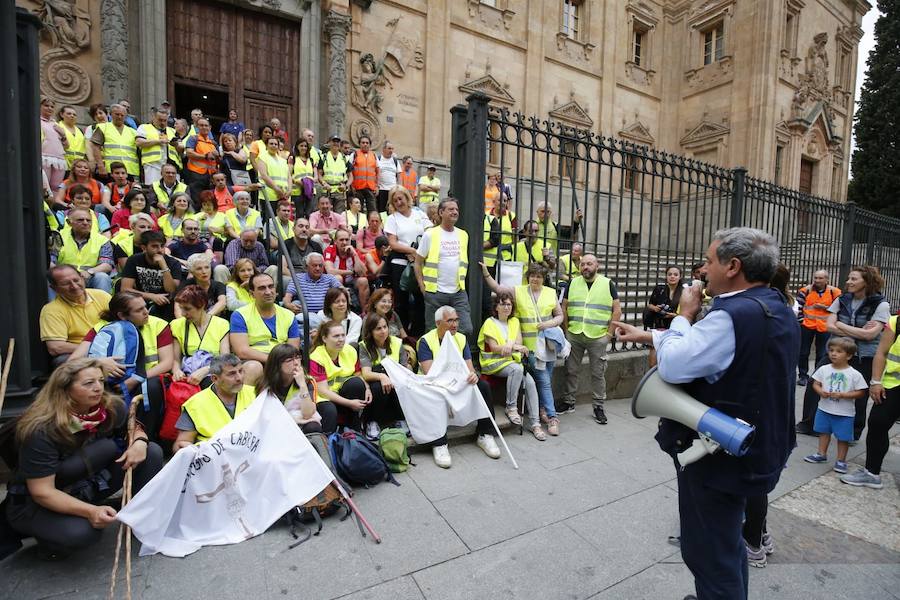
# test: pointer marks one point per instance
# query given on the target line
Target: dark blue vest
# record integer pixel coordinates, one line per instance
(758, 387)
(863, 314)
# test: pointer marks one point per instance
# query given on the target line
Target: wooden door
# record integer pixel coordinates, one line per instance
(806, 176)
(252, 56)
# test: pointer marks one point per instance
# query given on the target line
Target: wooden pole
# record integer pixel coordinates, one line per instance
(124, 530)
(4, 378)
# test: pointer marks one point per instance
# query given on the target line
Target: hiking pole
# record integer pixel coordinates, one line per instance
(355, 510)
(521, 396)
(7, 365)
(125, 530)
(500, 435)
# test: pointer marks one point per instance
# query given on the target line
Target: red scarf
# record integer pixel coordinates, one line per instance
(89, 421)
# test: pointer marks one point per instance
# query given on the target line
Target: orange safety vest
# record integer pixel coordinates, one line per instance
(364, 165)
(410, 181)
(814, 318)
(92, 185)
(202, 165)
(115, 198)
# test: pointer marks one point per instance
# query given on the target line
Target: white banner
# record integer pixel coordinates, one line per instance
(229, 488)
(441, 398)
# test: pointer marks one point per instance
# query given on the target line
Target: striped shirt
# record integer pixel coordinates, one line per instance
(313, 291)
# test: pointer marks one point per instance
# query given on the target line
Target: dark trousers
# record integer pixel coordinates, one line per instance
(150, 413)
(196, 183)
(353, 389)
(711, 542)
(482, 426)
(385, 407)
(366, 199)
(303, 206)
(755, 519)
(382, 200)
(65, 533)
(807, 336)
(409, 305)
(881, 419)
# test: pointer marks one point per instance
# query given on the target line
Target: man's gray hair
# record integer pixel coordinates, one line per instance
(311, 256)
(198, 260)
(219, 363)
(240, 194)
(441, 313)
(249, 229)
(756, 249)
(117, 105)
(141, 216)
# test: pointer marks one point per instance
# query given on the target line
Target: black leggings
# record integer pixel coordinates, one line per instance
(64, 533)
(353, 389)
(150, 413)
(755, 519)
(410, 306)
(385, 407)
(881, 419)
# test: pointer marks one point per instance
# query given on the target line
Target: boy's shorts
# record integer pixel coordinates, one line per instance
(839, 425)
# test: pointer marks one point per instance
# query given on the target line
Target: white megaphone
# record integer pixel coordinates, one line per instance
(657, 398)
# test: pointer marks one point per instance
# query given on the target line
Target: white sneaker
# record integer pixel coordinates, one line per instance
(441, 456)
(486, 442)
(373, 431)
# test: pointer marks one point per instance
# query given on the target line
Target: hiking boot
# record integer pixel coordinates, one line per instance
(840, 467)
(538, 432)
(486, 442)
(565, 408)
(756, 557)
(373, 430)
(512, 413)
(862, 478)
(553, 426)
(768, 543)
(441, 456)
(599, 415)
(816, 458)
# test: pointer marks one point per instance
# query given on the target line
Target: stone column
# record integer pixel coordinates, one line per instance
(310, 69)
(114, 49)
(337, 26)
(150, 80)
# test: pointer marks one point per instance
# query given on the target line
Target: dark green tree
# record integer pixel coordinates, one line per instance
(876, 159)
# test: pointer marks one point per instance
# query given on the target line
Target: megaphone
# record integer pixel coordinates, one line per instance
(657, 398)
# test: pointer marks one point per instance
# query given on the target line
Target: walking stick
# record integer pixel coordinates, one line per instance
(124, 530)
(7, 365)
(355, 510)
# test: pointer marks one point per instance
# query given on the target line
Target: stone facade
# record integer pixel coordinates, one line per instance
(766, 84)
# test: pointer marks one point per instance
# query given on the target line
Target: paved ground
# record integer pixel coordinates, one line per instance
(586, 516)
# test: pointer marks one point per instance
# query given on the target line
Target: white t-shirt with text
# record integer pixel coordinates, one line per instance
(843, 380)
(448, 260)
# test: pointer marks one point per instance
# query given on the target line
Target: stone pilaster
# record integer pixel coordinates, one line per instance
(337, 26)
(114, 46)
(150, 83)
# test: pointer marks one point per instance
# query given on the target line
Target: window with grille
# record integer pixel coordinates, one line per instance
(570, 18)
(638, 46)
(713, 44)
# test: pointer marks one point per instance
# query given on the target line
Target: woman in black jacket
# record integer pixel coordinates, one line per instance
(663, 302)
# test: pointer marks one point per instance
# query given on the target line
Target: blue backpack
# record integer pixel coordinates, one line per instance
(357, 460)
(121, 338)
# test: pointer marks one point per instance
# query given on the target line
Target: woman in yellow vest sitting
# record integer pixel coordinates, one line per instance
(156, 350)
(81, 198)
(283, 377)
(501, 347)
(197, 330)
(378, 344)
(355, 217)
(212, 224)
(170, 222)
(241, 217)
(532, 249)
(303, 178)
(123, 241)
(334, 365)
(537, 309)
(237, 291)
(273, 174)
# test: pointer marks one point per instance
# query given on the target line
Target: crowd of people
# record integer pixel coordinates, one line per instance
(168, 228)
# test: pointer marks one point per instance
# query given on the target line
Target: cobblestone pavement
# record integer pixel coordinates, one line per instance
(586, 516)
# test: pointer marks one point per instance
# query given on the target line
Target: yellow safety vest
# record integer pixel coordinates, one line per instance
(206, 221)
(566, 267)
(77, 144)
(301, 169)
(425, 197)
(337, 375)
(434, 343)
(208, 413)
(124, 239)
(489, 254)
(246, 150)
(242, 293)
(334, 170)
(277, 170)
(357, 222)
(891, 377)
(151, 154)
(492, 362)
(52, 221)
(212, 337)
(165, 225)
(95, 224)
(149, 332)
(287, 231)
(589, 311)
(120, 147)
(82, 258)
(258, 335)
(529, 317)
(536, 255)
(163, 197)
(551, 233)
(430, 268)
(394, 354)
(231, 216)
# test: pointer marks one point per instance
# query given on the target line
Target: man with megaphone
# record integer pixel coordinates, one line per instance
(737, 365)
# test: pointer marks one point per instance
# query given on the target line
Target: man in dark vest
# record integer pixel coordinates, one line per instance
(741, 359)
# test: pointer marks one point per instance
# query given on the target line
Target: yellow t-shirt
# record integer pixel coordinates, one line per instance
(64, 321)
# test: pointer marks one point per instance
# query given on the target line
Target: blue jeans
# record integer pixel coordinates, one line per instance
(542, 380)
(101, 281)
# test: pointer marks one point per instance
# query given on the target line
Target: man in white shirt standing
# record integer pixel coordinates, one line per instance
(388, 167)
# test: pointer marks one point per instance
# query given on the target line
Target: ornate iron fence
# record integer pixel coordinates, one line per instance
(640, 210)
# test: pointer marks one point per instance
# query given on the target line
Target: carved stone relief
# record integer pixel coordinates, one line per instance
(710, 75)
(572, 113)
(114, 49)
(490, 87)
(494, 17)
(580, 52)
(67, 29)
(638, 74)
(336, 27)
(706, 135)
(814, 82)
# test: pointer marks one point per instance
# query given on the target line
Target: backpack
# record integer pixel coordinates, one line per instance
(177, 394)
(121, 338)
(357, 460)
(393, 444)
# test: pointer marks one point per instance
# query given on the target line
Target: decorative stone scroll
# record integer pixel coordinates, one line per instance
(67, 28)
